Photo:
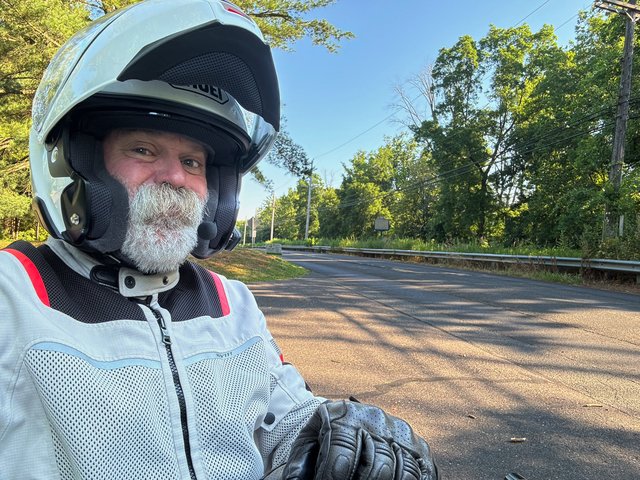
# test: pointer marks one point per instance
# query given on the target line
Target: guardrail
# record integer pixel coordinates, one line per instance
(620, 266)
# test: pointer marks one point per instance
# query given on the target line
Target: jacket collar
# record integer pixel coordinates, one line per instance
(129, 282)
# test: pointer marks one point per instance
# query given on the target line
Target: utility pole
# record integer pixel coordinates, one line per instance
(613, 222)
(254, 227)
(306, 229)
(244, 235)
(273, 212)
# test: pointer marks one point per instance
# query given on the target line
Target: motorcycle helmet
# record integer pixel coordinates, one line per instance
(200, 68)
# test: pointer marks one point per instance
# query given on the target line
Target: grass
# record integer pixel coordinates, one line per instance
(250, 265)
(600, 280)
(526, 271)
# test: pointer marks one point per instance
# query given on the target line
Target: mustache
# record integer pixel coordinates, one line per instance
(163, 203)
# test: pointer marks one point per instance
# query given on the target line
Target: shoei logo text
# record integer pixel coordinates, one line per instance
(209, 91)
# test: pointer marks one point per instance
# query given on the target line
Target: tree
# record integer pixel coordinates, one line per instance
(455, 139)
(414, 198)
(283, 22)
(289, 155)
(481, 89)
(564, 146)
(520, 136)
(328, 212)
(367, 191)
(30, 32)
(416, 108)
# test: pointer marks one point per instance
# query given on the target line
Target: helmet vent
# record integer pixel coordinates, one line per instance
(226, 56)
(221, 69)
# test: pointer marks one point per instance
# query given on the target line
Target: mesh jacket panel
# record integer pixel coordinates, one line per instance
(232, 402)
(105, 417)
(276, 444)
(102, 406)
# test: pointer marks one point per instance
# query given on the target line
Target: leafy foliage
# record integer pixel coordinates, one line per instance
(290, 212)
(289, 155)
(284, 21)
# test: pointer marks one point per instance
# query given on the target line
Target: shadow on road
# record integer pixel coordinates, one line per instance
(472, 368)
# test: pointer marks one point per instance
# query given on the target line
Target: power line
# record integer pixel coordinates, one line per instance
(587, 5)
(534, 11)
(355, 137)
(358, 135)
(565, 22)
(527, 150)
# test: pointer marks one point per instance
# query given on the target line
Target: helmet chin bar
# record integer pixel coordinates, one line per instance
(94, 206)
(203, 248)
(217, 231)
(207, 231)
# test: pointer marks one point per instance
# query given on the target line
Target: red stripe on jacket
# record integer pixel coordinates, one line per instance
(223, 299)
(34, 275)
(222, 295)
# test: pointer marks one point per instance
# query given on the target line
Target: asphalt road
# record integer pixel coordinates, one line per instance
(499, 374)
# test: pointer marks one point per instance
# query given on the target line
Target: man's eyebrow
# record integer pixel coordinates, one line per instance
(198, 149)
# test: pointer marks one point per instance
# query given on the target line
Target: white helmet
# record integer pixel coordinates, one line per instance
(200, 68)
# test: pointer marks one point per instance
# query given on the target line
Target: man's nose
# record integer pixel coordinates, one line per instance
(170, 170)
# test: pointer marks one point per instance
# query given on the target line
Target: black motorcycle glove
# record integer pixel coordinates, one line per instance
(347, 440)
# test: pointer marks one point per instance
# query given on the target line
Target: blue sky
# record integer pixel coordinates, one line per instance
(337, 104)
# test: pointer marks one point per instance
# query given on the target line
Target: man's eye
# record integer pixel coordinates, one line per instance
(142, 151)
(193, 164)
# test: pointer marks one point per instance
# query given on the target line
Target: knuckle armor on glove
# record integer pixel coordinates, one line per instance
(347, 440)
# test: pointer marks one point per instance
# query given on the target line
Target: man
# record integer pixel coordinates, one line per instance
(119, 359)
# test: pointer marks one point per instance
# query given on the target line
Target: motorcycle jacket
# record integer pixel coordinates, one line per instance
(106, 373)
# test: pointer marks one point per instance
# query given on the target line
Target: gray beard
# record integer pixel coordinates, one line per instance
(162, 227)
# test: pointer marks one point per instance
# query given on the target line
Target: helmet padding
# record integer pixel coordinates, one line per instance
(95, 205)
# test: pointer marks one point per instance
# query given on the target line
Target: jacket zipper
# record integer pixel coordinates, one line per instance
(166, 340)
